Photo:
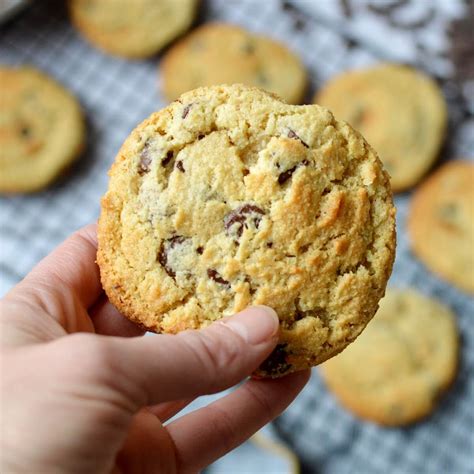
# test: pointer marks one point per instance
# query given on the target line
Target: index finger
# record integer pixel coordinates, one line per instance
(70, 268)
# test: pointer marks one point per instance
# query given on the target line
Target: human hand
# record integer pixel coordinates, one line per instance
(82, 393)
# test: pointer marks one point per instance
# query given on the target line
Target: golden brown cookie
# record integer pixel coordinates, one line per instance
(441, 223)
(229, 198)
(406, 357)
(134, 29)
(220, 53)
(400, 112)
(41, 129)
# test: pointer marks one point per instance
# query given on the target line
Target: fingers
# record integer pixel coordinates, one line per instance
(66, 279)
(151, 370)
(109, 322)
(207, 434)
(147, 448)
(165, 411)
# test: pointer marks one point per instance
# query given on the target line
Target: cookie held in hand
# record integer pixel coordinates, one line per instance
(230, 197)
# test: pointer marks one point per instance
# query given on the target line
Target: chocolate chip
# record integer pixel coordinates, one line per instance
(269, 245)
(448, 213)
(304, 248)
(245, 171)
(292, 134)
(286, 175)
(262, 78)
(165, 247)
(276, 363)
(200, 250)
(145, 160)
(25, 131)
(215, 275)
(168, 158)
(186, 111)
(248, 47)
(179, 165)
(241, 218)
(247, 280)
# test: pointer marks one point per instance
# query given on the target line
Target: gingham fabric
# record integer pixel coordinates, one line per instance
(330, 36)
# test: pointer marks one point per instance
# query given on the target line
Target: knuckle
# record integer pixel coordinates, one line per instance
(222, 423)
(219, 353)
(90, 355)
(264, 406)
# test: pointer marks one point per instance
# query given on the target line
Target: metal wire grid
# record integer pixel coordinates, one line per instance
(116, 95)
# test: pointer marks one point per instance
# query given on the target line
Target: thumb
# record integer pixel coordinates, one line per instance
(155, 369)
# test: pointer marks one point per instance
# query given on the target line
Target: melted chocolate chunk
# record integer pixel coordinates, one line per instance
(145, 160)
(286, 175)
(200, 250)
(168, 158)
(241, 218)
(165, 247)
(179, 165)
(186, 111)
(215, 275)
(276, 363)
(247, 280)
(292, 134)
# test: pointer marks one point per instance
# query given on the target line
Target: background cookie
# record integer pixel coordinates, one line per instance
(400, 112)
(220, 53)
(41, 129)
(229, 197)
(134, 29)
(395, 371)
(441, 223)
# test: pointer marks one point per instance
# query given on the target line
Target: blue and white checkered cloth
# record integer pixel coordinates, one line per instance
(330, 36)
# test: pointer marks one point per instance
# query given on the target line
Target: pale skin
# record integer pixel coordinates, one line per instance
(82, 391)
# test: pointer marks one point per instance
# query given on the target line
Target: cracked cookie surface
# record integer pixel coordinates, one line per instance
(400, 112)
(220, 53)
(407, 356)
(41, 129)
(229, 198)
(441, 223)
(133, 29)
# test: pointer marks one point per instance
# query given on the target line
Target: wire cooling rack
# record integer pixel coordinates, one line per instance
(117, 94)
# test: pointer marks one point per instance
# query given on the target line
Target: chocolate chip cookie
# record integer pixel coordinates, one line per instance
(229, 198)
(133, 29)
(400, 112)
(405, 359)
(41, 129)
(441, 223)
(219, 53)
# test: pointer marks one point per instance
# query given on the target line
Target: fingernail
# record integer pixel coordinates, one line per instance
(256, 324)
